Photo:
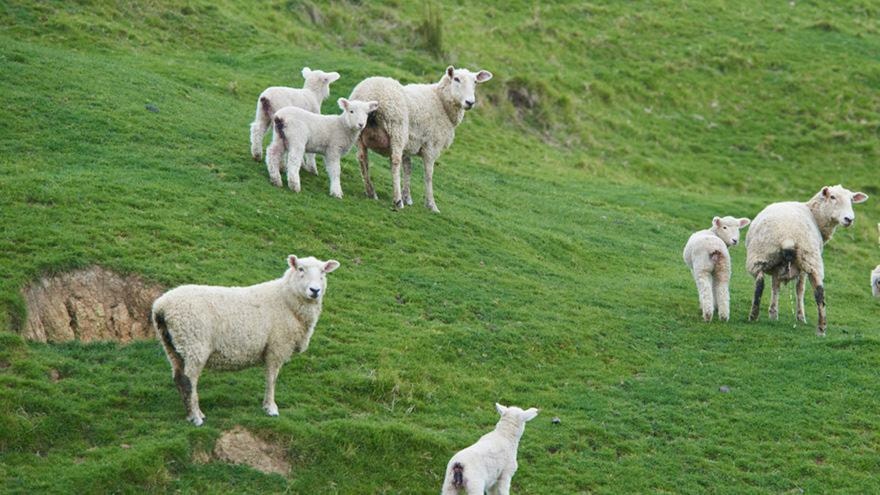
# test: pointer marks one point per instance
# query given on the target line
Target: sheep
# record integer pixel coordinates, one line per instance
(315, 90)
(416, 119)
(786, 240)
(237, 327)
(706, 255)
(875, 281)
(297, 131)
(490, 463)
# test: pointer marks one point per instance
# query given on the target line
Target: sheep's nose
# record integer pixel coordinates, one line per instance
(360, 125)
(847, 221)
(469, 104)
(734, 241)
(315, 292)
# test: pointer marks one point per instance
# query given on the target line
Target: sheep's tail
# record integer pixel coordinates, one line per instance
(267, 108)
(458, 475)
(789, 254)
(716, 256)
(279, 130)
(158, 318)
(373, 119)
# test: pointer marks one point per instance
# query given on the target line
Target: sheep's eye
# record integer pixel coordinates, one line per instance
(725, 228)
(456, 79)
(301, 270)
(351, 111)
(833, 197)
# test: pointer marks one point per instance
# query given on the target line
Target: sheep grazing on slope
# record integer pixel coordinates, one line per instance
(875, 281)
(315, 90)
(298, 131)
(416, 119)
(706, 255)
(237, 327)
(489, 464)
(785, 241)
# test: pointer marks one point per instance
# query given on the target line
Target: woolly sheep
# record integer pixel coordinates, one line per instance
(297, 131)
(875, 281)
(490, 463)
(416, 119)
(316, 88)
(786, 240)
(706, 255)
(237, 327)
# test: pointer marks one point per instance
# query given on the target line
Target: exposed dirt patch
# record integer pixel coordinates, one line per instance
(239, 446)
(87, 305)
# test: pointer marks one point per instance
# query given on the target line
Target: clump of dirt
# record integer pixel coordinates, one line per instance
(239, 446)
(88, 305)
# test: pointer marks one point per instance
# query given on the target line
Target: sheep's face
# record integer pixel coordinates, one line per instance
(319, 81)
(517, 415)
(463, 85)
(307, 277)
(355, 112)
(727, 228)
(835, 203)
(875, 281)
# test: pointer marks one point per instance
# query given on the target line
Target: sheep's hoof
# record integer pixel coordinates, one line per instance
(409, 200)
(294, 187)
(271, 410)
(276, 183)
(371, 195)
(773, 315)
(724, 317)
(337, 195)
(433, 208)
(398, 205)
(197, 421)
(257, 158)
(802, 318)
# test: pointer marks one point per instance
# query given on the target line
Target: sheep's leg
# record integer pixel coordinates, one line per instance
(407, 177)
(334, 170)
(274, 155)
(722, 296)
(396, 161)
(258, 130)
(476, 487)
(704, 289)
(429, 183)
(191, 371)
(364, 161)
(773, 311)
(269, 399)
(503, 486)
(819, 293)
(294, 162)
(310, 164)
(756, 302)
(801, 285)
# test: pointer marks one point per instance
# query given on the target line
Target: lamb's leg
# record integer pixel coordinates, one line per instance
(475, 487)
(773, 311)
(334, 170)
(258, 130)
(269, 405)
(722, 295)
(429, 183)
(364, 161)
(274, 154)
(311, 165)
(407, 176)
(503, 486)
(192, 370)
(801, 285)
(396, 161)
(294, 161)
(756, 302)
(704, 289)
(819, 293)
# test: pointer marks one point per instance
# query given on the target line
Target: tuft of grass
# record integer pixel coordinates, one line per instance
(431, 30)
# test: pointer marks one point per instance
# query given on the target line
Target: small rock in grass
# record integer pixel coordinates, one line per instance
(556, 420)
(724, 389)
(151, 107)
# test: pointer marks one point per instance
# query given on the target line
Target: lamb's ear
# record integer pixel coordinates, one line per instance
(743, 222)
(529, 414)
(291, 260)
(343, 103)
(483, 76)
(826, 192)
(331, 77)
(501, 409)
(305, 72)
(330, 265)
(716, 222)
(450, 71)
(372, 106)
(859, 197)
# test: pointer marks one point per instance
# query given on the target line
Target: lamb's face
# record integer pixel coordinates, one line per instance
(307, 277)
(519, 416)
(875, 281)
(835, 203)
(727, 229)
(463, 85)
(355, 112)
(319, 81)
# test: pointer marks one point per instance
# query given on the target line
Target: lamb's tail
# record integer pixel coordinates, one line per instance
(279, 130)
(267, 108)
(716, 256)
(458, 475)
(158, 318)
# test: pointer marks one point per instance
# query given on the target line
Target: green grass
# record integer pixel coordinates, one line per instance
(552, 278)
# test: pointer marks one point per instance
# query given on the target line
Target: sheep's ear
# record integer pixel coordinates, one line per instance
(343, 103)
(450, 71)
(330, 265)
(826, 192)
(529, 414)
(332, 77)
(483, 76)
(716, 222)
(305, 72)
(743, 222)
(501, 409)
(372, 106)
(291, 260)
(859, 197)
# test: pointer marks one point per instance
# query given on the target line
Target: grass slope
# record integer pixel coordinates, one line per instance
(552, 277)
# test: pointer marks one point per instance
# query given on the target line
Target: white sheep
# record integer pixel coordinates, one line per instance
(297, 131)
(786, 240)
(706, 255)
(316, 88)
(490, 463)
(875, 281)
(416, 119)
(237, 327)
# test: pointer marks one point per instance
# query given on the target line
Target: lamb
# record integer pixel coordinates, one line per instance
(297, 131)
(786, 240)
(490, 463)
(706, 255)
(237, 327)
(315, 90)
(875, 281)
(416, 119)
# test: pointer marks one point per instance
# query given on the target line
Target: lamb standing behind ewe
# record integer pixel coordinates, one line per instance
(875, 281)
(706, 255)
(236, 327)
(416, 119)
(786, 240)
(297, 131)
(490, 463)
(315, 90)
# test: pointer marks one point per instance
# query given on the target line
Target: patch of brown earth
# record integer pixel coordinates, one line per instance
(88, 305)
(239, 446)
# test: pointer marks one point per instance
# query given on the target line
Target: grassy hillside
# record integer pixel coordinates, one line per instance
(552, 278)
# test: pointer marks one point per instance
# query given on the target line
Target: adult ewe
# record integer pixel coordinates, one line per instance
(785, 241)
(706, 255)
(416, 119)
(237, 327)
(875, 281)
